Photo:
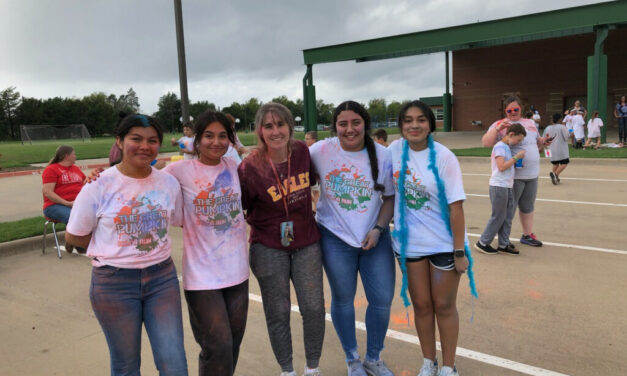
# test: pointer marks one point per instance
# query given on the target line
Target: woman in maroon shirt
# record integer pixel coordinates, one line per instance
(276, 194)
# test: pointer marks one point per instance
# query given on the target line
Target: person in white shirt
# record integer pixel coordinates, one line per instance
(431, 250)
(123, 220)
(594, 130)
(578, 129)
(186, 143)
(355, 207)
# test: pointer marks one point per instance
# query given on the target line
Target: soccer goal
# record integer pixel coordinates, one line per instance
(30, 133)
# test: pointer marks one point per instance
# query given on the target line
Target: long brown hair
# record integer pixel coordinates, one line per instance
(60, 154)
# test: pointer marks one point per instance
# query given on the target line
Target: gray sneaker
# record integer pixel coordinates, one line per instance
(448, 371)
(429, 368)
(355, 368)
(377, 368)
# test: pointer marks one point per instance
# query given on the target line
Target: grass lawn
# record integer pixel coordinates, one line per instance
(14, 154)
(25, 228)
(574, 153)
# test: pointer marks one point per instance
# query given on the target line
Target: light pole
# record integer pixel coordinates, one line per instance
(236, 124)
(297, 119)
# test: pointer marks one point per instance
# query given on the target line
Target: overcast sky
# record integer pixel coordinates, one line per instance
(235, 49)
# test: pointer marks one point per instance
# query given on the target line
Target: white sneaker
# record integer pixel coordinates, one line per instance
(377, 368)
(448, 371)
(289, 373)
(355, 368)
(312, 371)
(429, 368)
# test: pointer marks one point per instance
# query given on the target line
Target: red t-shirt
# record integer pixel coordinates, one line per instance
(263, 200)
(69, 181)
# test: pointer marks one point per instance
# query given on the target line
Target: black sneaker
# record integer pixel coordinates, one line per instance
(530, 240)
(487, 249)
(558, 178)
(553, 178)
(509, 249)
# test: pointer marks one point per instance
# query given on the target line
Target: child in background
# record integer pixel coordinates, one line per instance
(380, 137)
(569, 125)
(558, 148)
(578, 129)
(186, 143)
(594, 130)
(501, 192)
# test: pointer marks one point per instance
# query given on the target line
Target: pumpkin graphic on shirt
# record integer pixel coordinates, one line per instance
(142, 224)
(217, 205)
(416, 196)
(348, 187)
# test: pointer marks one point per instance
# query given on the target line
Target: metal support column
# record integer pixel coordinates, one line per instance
(597, 79)
(180, 47)
(309, 102)
(446, 98)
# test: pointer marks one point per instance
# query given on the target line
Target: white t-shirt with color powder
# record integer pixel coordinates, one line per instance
(349, 205)
(499, 178)
(128, 218)
(188, 143)
(215, 248)
(594, 127)
(531, 161)
(428, 234)
(578, 126)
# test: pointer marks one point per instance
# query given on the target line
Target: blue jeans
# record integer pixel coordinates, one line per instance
(123, 299)
(376, 266)
(58, 212)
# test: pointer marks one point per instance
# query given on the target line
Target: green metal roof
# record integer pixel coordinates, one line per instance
(552, 24)
(432, 101)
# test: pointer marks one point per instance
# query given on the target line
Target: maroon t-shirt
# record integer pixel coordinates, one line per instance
(263, 199)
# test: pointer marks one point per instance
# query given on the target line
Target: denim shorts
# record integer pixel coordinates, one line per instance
(442, 261)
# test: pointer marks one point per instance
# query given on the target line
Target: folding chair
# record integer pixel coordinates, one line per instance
(54, 231)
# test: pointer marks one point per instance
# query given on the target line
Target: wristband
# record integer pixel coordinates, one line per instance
(515, 159)
(459, 253)
(377, 227)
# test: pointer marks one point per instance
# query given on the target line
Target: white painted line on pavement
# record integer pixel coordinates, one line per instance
(584, 247)
(546, 177)
(563, 201)
(470, 354)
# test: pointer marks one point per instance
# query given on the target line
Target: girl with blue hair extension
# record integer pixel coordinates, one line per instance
(433, 255)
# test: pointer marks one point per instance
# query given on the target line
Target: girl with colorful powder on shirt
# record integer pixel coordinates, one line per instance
(354, 210)
(123, 220)
(276, 180)
(215, 254)
(429, 201)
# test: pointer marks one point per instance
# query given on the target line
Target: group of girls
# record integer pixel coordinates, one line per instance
(124, 218)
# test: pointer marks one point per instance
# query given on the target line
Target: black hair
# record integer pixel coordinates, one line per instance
(426, 111)
(205, 119)
(556, 117)
(368, 141)
(137, 120)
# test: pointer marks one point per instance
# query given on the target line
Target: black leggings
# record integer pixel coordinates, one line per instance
(218, 320)
(622, 129)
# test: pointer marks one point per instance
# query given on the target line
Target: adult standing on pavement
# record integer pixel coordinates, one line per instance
(215, 253)
(355, 208)
(125, 217)
(276, 179)
(525, 177)
(620, 112)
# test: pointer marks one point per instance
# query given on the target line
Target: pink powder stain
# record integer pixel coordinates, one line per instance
(535, 295)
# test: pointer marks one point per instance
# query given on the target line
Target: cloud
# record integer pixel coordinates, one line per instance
(234, 50)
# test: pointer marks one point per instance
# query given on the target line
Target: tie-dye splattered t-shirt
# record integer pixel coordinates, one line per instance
(428, 234)
(188, 144)
(128, 218)
(215, 251)
(349, 205)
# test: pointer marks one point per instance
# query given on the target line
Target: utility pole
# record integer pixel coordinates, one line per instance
(180, 46)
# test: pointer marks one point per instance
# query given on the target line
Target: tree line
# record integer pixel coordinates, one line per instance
(99, 111)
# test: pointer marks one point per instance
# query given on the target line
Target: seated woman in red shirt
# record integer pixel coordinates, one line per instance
(62, 181)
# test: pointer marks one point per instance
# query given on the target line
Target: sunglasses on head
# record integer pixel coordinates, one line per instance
(512, 110)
